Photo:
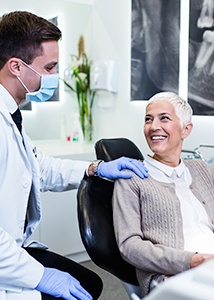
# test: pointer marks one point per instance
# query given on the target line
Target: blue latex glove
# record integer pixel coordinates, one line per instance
(113, 169)
(61, 284)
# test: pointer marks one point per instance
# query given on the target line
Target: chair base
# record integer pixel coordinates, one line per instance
(131, 288)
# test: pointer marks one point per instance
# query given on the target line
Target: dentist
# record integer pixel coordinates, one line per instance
(28, 61)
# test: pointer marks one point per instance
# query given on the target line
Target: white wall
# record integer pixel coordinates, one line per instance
(43, 122)
(111, 36)
(111, 39)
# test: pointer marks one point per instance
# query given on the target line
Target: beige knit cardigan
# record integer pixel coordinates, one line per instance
(148, 222)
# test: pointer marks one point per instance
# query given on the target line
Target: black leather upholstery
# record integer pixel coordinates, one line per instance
(95, 213)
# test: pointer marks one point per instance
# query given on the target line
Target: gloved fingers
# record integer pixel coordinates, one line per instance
(71, 298)
(137, 167)
(121, 174)
(113, 169)
(79, 292)
(86, 294)
(74, 280)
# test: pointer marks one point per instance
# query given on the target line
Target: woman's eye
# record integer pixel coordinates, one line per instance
(148, 119)
(165, 118)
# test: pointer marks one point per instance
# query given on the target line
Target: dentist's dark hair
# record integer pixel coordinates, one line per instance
(22, 34)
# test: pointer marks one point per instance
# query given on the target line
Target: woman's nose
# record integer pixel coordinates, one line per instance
(155, 124)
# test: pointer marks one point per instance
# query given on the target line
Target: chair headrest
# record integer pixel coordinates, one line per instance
(109, 149)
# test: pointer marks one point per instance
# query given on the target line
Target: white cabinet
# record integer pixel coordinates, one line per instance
(59, 226)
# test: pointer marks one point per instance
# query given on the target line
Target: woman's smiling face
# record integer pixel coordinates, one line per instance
(163, 131)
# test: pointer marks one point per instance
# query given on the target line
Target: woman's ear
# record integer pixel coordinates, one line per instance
(187, 130)
(14, 66)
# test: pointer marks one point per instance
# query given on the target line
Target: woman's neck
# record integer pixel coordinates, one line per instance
(167, 161)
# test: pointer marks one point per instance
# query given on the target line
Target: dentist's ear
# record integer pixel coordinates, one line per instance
(187, 129)
(14, 66)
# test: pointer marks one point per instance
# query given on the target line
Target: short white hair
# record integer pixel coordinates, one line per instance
(182, 108)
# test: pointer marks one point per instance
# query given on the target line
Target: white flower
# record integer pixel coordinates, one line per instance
(82, 76)
(74, 64)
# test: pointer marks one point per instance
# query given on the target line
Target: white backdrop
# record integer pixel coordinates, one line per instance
(107, 27)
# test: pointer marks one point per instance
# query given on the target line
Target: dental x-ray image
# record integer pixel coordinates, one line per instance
(201, 57)
(154, 47)
(155, 51)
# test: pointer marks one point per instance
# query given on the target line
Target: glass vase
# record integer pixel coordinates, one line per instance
(85, 101)
(88, 135)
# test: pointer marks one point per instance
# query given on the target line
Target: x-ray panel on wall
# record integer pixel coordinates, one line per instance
(201, 57)
(154, 47)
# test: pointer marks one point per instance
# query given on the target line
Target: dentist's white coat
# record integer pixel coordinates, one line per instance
(22, 174)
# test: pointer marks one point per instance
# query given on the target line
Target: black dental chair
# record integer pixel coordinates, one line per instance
(96, 219)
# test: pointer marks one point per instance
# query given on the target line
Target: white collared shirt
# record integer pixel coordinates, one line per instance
(198, 234)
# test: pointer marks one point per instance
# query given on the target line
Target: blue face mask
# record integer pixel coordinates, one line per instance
(49, 83)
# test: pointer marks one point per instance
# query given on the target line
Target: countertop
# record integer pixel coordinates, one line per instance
(64, 148)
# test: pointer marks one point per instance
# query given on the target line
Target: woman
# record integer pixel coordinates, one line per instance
(164, 224)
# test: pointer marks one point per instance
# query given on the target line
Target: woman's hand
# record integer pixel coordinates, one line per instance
(198, 259)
